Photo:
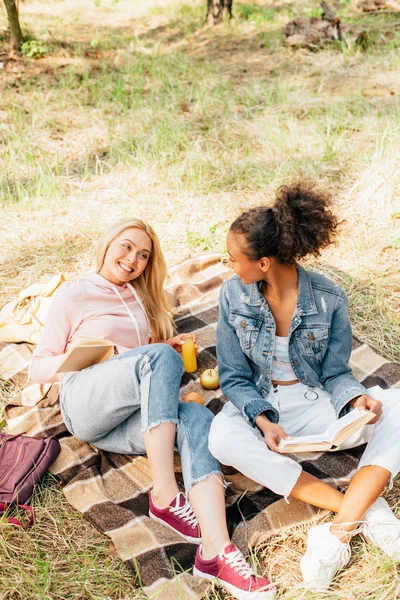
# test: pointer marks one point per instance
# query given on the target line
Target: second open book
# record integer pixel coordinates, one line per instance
(85, 352)
(332, 438)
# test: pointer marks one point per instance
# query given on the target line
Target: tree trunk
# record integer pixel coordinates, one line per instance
(13, 21)
(215, 9)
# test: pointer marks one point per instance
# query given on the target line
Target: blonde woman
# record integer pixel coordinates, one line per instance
(129, 404)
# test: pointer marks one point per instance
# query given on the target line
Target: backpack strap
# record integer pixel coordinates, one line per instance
(14, 520)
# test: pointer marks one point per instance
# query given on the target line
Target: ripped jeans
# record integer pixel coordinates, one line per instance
(113, 403)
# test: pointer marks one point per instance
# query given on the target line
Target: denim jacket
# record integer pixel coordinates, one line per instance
(320, 343)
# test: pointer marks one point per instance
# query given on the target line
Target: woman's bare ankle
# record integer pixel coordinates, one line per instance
(343, 531)
(211, 548)
(163, 497)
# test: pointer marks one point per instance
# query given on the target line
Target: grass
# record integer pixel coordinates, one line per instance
(137, 108)
(61, 557)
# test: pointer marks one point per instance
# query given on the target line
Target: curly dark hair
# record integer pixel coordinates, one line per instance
(300, 223)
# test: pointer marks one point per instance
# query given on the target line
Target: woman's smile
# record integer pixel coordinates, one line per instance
(125, 268)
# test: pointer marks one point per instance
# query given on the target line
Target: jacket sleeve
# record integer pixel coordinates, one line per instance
(337, 377)
(235, 372)
(63, 318)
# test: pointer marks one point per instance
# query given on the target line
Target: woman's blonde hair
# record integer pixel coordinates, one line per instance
(150, 283)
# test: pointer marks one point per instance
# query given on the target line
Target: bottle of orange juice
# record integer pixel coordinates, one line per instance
(189, 354)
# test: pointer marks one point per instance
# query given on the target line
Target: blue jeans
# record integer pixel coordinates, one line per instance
(113, 403)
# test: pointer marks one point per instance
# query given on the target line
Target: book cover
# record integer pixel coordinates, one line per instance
(84, 353)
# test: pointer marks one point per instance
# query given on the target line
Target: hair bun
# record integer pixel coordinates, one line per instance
(304, 220)
(299, 223)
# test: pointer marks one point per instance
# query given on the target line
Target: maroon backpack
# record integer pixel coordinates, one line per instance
(23, 463)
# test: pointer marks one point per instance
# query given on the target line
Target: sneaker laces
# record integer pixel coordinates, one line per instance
(237, 561)
(185, 513)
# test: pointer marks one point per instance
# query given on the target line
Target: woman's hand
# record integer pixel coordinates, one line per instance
(273, 433)
(177, 341)
(368, 403)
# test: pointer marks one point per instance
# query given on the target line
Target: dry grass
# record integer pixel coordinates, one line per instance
(61, 557)
(158, 116)
(137, 108)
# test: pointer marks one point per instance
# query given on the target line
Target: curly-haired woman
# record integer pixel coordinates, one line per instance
(283, 344)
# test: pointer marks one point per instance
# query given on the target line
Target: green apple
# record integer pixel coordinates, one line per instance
(209, 379)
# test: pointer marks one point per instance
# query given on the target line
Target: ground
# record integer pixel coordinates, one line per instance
(137, 108)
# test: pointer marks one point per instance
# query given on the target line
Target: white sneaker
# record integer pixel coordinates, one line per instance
(324, 556)
(382, 528)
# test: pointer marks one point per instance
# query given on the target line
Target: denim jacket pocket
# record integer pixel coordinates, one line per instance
(247, 329)
(312, 341)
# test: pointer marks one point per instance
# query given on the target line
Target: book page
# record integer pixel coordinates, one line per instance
(343, 424)
(365, 417)
(304, 439)
(313, 446)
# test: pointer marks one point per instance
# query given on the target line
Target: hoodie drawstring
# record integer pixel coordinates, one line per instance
(130, 313)
(139, 301)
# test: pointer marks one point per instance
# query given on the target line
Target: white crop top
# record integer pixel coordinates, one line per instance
(281, 368)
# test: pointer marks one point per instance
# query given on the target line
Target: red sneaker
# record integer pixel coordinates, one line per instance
(230, 570)
(178, 516)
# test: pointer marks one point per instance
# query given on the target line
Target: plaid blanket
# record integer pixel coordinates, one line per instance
(111, 490)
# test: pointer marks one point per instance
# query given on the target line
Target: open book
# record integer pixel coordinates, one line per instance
(85, 352)
(331, 439)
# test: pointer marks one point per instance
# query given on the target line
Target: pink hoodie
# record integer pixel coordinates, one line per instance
(92, 307)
